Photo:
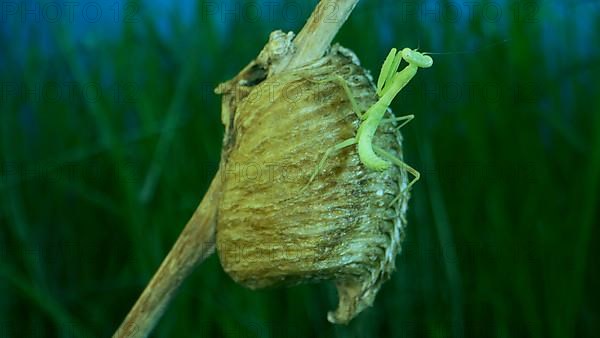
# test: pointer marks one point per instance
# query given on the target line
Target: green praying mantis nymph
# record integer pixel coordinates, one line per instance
(389, 84)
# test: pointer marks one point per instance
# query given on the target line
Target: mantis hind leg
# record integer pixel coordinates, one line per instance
(342, 83)
(405, 119)
(395, 160)
(339, 80)
(328, 152)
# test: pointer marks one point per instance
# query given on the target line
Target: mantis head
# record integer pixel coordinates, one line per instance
(415, 58)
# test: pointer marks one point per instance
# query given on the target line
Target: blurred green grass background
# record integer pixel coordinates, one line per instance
(110, 134)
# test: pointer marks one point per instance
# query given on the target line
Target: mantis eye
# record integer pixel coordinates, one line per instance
(416, 58)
